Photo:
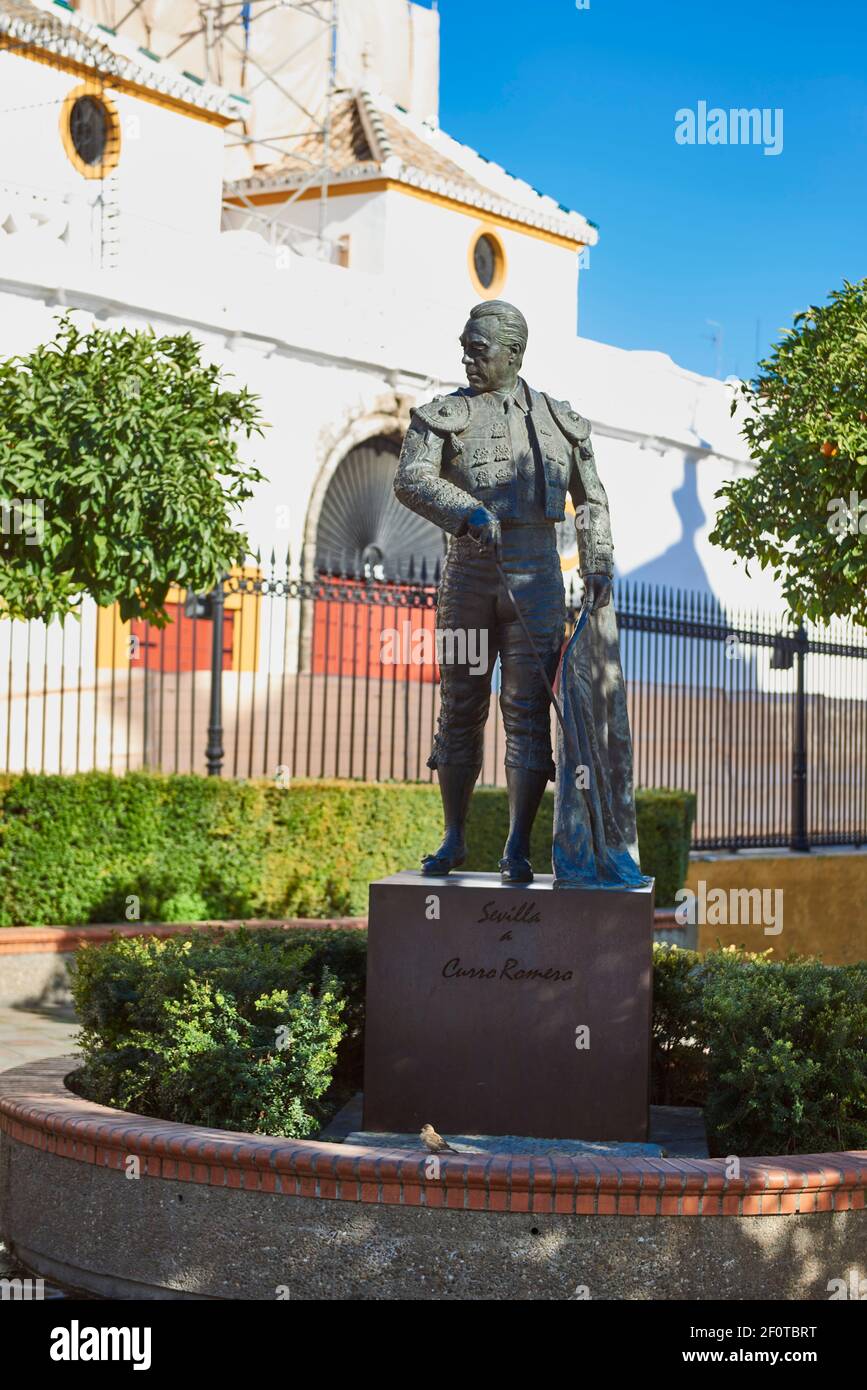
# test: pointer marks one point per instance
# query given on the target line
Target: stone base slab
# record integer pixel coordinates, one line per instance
(508, 1010)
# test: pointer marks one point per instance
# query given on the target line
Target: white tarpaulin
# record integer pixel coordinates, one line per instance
(277, 54)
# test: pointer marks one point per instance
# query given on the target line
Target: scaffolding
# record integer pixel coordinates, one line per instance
(280, 58)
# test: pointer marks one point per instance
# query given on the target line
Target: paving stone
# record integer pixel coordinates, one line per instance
(27, 1036)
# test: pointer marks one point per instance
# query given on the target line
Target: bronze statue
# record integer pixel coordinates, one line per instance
(491, 464)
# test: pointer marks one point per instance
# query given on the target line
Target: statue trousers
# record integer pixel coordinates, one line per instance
(476, 622)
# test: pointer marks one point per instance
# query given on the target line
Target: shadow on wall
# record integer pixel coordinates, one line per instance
(680, 566)
(37, 983)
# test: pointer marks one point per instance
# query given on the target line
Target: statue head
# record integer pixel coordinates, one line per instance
(494, 341)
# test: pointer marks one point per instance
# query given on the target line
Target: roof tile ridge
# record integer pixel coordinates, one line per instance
(373, 126)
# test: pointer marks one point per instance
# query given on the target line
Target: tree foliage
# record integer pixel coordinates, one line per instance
(803, 512)
(119, 472)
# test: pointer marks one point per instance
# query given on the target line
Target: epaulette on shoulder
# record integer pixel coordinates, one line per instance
(445, 414)
(575, 427)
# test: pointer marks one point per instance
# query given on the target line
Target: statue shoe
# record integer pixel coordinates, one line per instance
(447, 857)
(516, 869)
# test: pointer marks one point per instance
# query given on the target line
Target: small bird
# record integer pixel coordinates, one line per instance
(433, 1142)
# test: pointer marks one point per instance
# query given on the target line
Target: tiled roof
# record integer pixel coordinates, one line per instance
(54, 28)
(348, 147)
(370, 136)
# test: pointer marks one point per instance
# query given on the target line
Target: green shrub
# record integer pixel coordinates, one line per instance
(184, 907)
(678, 1057)
(100, 848)
(188, 1029)
(253, 1031)
(775, 1050)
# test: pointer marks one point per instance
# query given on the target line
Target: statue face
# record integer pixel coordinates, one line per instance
(490, 364)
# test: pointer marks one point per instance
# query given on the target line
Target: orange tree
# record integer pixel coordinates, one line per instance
(803, 511)
(119, 472)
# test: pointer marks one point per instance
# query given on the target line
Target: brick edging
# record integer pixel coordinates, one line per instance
(23, 941)
(37, 1109)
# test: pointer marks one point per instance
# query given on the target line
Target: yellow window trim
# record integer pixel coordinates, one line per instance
(486, 229)
(112, 144)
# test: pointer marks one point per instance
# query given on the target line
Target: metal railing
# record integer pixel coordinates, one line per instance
(287, 675)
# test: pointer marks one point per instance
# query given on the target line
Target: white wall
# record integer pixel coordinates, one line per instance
(422, 249)
(328, 350)
(335, 353)
(167, 181)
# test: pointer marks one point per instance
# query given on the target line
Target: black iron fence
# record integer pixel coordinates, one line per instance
(285, 675)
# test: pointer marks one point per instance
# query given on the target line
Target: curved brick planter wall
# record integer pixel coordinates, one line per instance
(220, 1215)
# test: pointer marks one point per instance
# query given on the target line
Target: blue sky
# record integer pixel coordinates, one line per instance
(582, 102)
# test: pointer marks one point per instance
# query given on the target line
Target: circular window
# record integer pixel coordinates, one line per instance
(90, 129)
(485, 261)
(487, 264)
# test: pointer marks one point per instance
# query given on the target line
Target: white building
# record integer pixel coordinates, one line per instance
(331, 274)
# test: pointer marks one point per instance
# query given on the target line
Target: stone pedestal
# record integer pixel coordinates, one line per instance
(508, 1010)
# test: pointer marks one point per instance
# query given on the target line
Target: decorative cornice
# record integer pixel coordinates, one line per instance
(76, 43)
(272, 188)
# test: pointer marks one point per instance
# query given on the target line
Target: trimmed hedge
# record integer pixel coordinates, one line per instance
(775, 1051)
(240, 1030)
(96, 847)
(665, 820)
(263, 1031)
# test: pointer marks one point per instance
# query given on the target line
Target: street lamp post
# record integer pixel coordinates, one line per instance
(214, 750)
